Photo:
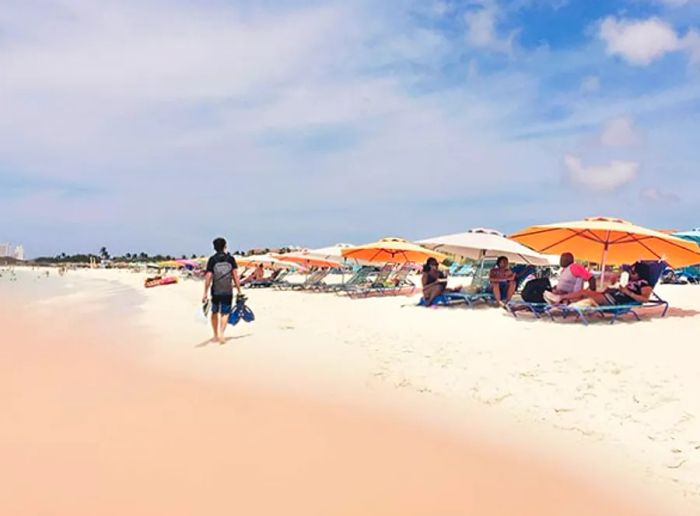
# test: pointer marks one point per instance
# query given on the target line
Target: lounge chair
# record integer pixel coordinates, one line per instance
(478, 292)
(397, 283)
(275, 279)
(481, 290)
(583, 313)
(359, 277)
(312, 279)
(360, 289)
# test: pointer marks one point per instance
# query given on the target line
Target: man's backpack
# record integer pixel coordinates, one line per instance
(534, 290)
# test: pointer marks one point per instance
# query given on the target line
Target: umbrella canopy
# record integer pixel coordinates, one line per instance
(692, 235)
(265, 260)
(392, 250)
(306, 259)
(609, 241)
(335, 253)
(479, 243)
(170, 264)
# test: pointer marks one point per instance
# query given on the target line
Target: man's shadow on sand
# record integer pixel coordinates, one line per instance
(226, 340)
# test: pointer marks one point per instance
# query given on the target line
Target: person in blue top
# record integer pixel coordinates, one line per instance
(221, 276)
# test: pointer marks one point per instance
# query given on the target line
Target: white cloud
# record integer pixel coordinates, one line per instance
(620, 132)
(482, 30)
(590, 84)
(658, 196)
(601, 178)
(639, 42)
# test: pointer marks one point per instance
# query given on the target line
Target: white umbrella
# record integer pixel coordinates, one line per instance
(479, 243)
(335, 253)
(264, 259)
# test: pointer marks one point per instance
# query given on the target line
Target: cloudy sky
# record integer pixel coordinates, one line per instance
(154, 125)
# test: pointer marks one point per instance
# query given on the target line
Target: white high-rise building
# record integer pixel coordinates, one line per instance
(6, 250)
(19, 252)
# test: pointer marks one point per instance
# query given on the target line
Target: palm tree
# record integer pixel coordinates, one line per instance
(104, 254)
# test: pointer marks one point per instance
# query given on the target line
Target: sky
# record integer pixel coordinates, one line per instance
(154, 125)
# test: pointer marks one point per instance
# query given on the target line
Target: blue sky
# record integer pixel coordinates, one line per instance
(153, 125)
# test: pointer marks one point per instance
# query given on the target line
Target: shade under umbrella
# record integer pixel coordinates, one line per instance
(611, 241)
(392, 250)
(479, 243)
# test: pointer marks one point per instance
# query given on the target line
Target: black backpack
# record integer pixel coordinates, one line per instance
(534, 290)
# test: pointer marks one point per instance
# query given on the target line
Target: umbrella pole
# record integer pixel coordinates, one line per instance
(602, 265)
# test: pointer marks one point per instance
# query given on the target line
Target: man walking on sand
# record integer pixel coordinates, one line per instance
(221, 276)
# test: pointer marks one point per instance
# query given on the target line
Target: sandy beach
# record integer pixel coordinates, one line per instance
(119, 404)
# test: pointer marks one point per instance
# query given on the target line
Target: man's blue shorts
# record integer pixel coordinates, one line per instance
(221, 303)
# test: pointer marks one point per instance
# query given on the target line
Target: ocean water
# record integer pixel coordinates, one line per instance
(35, 289)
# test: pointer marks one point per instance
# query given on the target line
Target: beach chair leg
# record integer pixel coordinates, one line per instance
(663, 314)
(582, 317)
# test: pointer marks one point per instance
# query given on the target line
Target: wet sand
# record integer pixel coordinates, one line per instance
(89, 430)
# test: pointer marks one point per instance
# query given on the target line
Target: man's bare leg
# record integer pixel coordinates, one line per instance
(223, 322)
(511, 290)
(496, 289)
(215, 326)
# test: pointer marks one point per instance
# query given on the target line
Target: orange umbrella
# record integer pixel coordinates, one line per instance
(609, 241)
(392, 250)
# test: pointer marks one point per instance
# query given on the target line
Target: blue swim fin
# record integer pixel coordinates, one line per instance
(234, 316)
(247, 314)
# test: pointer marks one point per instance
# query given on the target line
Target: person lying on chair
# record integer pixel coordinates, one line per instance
(637, 291)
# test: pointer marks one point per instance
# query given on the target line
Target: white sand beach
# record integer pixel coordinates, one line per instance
(617, 405)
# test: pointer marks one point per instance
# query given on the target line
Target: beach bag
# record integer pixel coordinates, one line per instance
(534, 290)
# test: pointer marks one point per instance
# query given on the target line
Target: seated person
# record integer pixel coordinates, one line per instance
(637, 291)
(570, 280)
(502, 280)
(434, 282)
(257, 275)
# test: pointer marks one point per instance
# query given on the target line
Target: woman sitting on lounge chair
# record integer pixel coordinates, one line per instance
(637, 291)
(434, 282)
(502, 280)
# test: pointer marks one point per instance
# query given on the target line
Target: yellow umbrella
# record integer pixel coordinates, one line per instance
(170, 263)
(392, 250)
(607, 240)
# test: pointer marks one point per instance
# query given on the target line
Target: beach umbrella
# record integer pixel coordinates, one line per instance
(307, 260)
(170, 264)
(335, 253)
(693, 235)
(392, 250)
(479, 243)
(265, 260)
(611, 241)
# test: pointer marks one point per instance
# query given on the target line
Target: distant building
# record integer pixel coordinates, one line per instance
(6, 250)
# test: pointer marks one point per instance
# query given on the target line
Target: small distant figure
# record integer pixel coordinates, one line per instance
(502, 280)
(571, 279)
(219, 280)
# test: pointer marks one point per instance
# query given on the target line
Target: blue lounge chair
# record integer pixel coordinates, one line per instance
(583, 314)
(479, 292)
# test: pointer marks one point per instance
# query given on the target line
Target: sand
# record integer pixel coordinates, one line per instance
(326, 405)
